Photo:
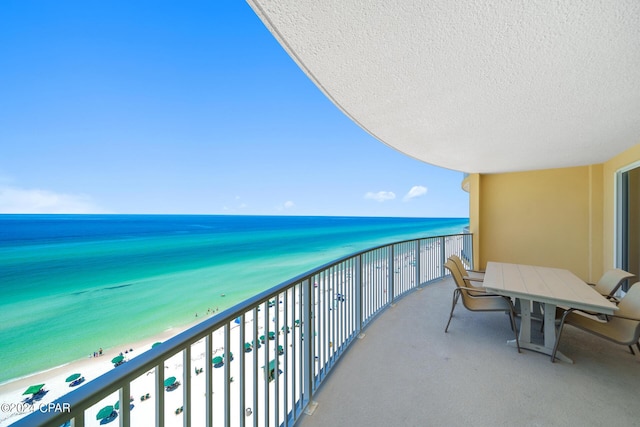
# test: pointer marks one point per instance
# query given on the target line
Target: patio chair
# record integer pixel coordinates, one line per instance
(473, 275)
(610, 282)
(472, 278)
(474, 301)
(623, 327)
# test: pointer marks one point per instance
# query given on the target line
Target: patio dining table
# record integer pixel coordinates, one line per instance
(550, 287)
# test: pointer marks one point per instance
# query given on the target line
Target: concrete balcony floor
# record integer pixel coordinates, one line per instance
(407, 372)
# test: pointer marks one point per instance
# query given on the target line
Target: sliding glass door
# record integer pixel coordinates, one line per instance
(628, 220)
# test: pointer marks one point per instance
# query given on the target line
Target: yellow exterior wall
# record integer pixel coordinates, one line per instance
(471, 185)
(550, 217)
(557, 217)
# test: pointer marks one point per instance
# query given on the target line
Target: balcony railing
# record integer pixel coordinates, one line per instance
(260, 362)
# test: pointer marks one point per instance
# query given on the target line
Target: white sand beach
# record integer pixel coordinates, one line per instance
(143, 411)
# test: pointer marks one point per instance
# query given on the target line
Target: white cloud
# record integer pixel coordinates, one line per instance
(286, 205)
(380, 196)
(416, 191)
(21, 200)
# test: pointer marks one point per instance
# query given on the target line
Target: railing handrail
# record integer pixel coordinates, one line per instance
(92, 392)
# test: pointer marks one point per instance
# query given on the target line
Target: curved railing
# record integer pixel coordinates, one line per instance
(273, 368)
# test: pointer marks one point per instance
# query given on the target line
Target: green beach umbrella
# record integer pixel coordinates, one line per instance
(217, 360)
(272, 335)
(280, 350)
(155, 344)
(247, 346)
(297, 322)
(117, 405)
(169, 381)
(117, 359)
(33, 389)
(72, 378)
(104, 412)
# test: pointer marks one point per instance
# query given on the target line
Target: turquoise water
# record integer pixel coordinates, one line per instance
(74, 283)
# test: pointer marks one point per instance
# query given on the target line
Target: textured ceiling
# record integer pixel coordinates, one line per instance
(475, 86)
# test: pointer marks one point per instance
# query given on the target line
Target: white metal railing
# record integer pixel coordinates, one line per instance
(260, 362)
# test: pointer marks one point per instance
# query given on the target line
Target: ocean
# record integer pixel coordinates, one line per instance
(72, 284)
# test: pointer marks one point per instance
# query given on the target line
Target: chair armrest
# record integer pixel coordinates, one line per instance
(479, 292)
(613, 299)
(624, 317)
(593, 313)
(475, 279)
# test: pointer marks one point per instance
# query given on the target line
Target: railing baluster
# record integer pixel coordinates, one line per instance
(285, 344)
(125, 414)
(307, 343)
(242, 379)
(208, 372)
(160, 394)
(256, 345)
(186, 387)
(276, 397)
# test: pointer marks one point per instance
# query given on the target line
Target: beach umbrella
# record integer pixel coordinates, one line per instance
(169, 381)
(104, 412)
(72, 378)
(272, 335)
(230, 356)
(217, 360)
(117, 405)
(155, 344)
(297, 322)
(33, 389)
(117, 359)
(247, 347)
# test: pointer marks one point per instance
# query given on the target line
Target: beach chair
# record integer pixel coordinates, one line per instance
(475, 301)
(471, 281)
(610, 282)
(472, 275)
(623, 327)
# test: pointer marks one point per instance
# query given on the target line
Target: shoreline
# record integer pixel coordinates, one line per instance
(91, 368)
(11, 391)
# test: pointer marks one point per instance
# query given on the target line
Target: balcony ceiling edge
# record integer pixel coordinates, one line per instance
(480, 86)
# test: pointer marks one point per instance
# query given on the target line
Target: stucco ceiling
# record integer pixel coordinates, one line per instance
(476, 86)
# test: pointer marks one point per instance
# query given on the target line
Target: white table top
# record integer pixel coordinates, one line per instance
(546, 285)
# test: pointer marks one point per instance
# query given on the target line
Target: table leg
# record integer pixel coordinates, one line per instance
(549, 330)
(525, 321)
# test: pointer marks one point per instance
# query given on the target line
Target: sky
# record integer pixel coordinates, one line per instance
(161, 107)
